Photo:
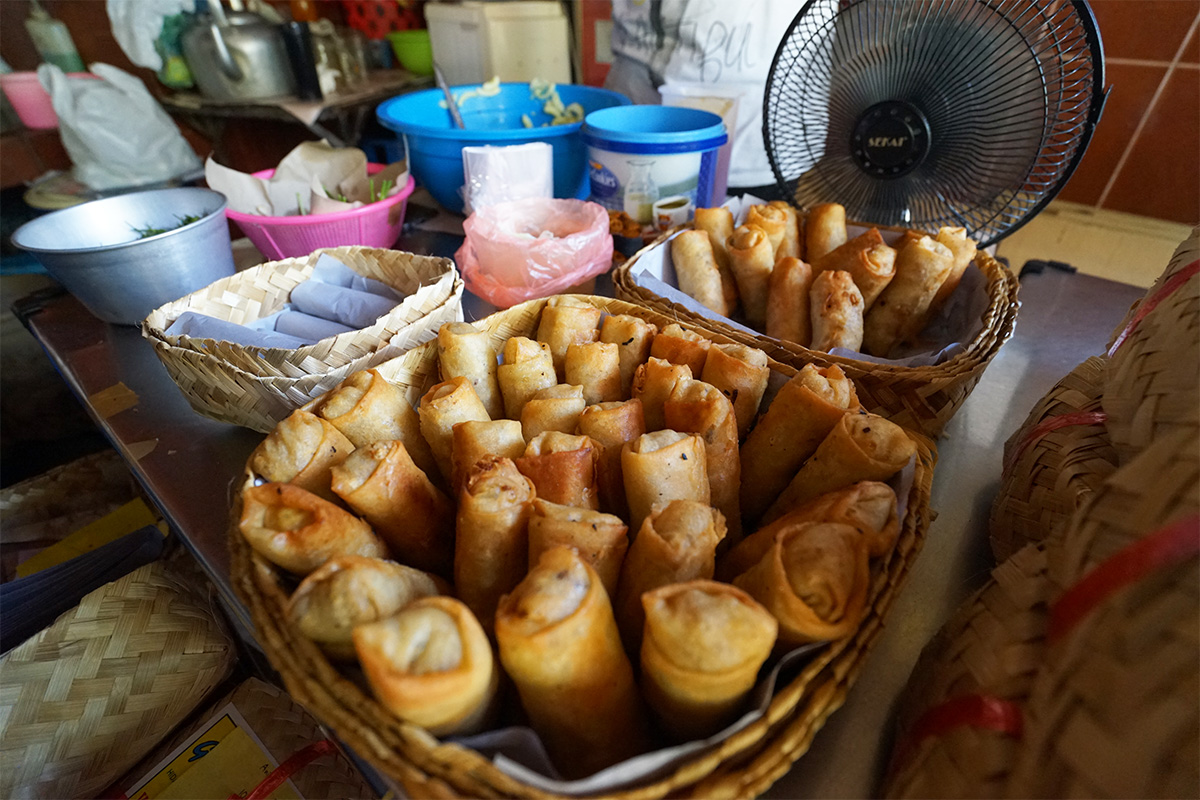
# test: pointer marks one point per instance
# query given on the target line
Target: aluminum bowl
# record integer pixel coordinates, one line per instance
(95, 250)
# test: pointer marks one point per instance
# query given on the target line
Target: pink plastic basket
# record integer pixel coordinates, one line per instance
(31, 101)
(372, 225)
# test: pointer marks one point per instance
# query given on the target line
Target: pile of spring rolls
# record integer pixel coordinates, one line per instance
(801, 279)
(603, 512)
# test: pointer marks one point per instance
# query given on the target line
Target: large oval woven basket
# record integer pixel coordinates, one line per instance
(741, 766)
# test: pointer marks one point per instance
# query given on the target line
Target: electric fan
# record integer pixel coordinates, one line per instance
(924, 113)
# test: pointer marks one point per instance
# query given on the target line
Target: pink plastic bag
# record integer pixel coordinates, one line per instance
(531, 248)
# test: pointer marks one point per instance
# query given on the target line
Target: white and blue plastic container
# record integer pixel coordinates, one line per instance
(642, 153)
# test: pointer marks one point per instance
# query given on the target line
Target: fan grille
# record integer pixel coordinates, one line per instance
(1010, 90)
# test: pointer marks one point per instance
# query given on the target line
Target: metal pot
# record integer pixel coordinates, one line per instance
(238, 56)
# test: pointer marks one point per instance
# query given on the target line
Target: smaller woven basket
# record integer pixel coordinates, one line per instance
(1053, 463)
(921, 398)
(742, 766)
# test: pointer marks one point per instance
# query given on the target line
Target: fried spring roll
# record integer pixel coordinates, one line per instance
(848, 255)
(634, 337)
(566, 321)
(432, 665)
(860, 447)
(824, 230)
(596, 367)
(836, 312)
(662, 466)
(301, 450)
(680, 346)
(465, 351)
(444, 406)
(299, 531)
(700, 408)
(491, 535)
(787, 301)
(752, 258)
(528, 367)
(804, 411)
(791, 245)
(559, 644)
(814, 581)
(652, 385)
(474, 440)
(718, 224)
(611, 425)
(773, 221)
(347, 591)
(600, 539)
(964, 251)
(902, 310)
(676, 543)
(741, 373)
(697, 272)
(704, 644)
(564, 468)
(554, 409)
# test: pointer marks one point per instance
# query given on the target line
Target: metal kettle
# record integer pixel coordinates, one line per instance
(238, 56)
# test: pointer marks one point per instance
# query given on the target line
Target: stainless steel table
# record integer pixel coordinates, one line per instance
(187, 464)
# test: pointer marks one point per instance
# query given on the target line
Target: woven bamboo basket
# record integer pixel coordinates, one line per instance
(988, 652)
(87, 697)
(741, 766)
(921, 398)
(1051, 471)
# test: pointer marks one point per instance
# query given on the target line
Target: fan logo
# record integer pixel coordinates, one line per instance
(887, 141)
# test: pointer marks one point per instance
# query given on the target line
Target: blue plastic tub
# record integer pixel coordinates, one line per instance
(435, 145)
(641, 157)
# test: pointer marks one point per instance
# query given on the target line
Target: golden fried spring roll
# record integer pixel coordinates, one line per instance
(381, 482)
(652, 384)
(368, 409)
(491, 538)
(787, 301)
(564, 468)
(700, 408)
(299, 531)
(741, 373)
(475, 439)
(432, 665)
(662, 466)
(963, 249)
(633, 336)
(696, 270)
(824, 230)
(528, 367)
(752, 258)
(836, 312)
(596, 367)
(861, 447)
(902, 310)
(791, 245)
(611, 425)
(703, 647)
(467, 352)
(680, 346)
(566, 321)
(558, 642)
(554, 409)
(814, 581)
(444, 406)
(868, 506)
(849, 253)
(347, 591)
(718, 224)
(908, 237)
(301, 450)
(772, 220)
(600, 539)
(873, 272)
(676, 543)
(804, 411)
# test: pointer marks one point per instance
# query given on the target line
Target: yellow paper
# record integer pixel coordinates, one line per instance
(233, 767)
(199, 747)
(126, 519)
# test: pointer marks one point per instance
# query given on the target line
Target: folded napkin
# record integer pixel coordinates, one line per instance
(201, 326)
(307, 327)
(340, 304)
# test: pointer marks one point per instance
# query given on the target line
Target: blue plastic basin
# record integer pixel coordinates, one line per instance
(435, 145)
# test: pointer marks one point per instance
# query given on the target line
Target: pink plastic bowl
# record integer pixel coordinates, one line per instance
(372, 225)
(30, 100)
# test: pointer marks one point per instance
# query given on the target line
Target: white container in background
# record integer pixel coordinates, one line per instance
(519, 40)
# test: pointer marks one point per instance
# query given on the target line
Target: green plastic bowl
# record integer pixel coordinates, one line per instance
(413, 50)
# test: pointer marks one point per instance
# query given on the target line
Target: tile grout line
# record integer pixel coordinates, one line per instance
(1137, 132)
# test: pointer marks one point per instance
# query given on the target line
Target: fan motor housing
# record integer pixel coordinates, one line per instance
(890, 139)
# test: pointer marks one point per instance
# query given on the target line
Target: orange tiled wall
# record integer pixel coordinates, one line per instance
(1145, 155)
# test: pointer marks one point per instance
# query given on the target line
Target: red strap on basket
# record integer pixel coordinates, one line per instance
(1170, 287)
(1053, 424)
(983, 711)
(298, 761)
(1166, 547)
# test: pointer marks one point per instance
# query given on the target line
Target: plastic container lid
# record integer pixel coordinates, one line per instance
(653, 129)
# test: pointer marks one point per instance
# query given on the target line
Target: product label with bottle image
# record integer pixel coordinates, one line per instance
(633, 183)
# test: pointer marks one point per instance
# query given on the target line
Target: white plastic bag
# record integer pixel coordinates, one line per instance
(115, 132)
